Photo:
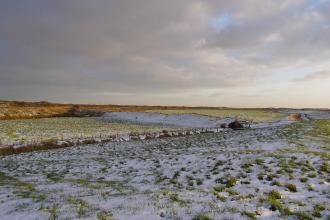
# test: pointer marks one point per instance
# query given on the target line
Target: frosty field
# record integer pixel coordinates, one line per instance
(251, 115)
(37, 130)
(275, 172)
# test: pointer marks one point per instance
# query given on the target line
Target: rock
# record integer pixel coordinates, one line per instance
(223, 125)
(124, 137)
(150, 136)
(165, 133)
(295, 117)
(235, 125)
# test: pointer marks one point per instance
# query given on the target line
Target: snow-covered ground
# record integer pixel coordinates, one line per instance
(272, 172)
(184, 120)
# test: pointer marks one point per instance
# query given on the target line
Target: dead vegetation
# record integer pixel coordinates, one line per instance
(295, 117)
(26, 110)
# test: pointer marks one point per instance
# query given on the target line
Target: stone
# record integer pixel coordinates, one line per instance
(235, 125)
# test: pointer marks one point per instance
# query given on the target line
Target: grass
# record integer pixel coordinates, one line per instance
(302, 216)
(81, 205)
(320, 128)
(219, 188)
(106, 172)
(325, 167)
(105, 215)
(250, 215)
(228, 181)
(22, 189)
(273, 199)
(274, 195)
(202, 216)
(303, 179)
(118, 186)
(250, 115)
(317, 209)
(291, 187)
(277, 205)
(174, 197)
(53, 211)
(55, 177)
(66, 128)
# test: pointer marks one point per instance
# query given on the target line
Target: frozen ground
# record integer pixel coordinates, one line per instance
(312, 114)
(266, 173)
(184, 120)
(27, 131)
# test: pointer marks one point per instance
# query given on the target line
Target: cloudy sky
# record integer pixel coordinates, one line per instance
(240, 53)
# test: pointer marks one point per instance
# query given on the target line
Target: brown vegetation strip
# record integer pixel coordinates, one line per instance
(25, 110)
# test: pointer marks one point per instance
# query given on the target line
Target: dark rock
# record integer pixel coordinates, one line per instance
(235, 125)
(224, 125)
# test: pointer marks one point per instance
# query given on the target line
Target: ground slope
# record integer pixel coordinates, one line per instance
(268, 173)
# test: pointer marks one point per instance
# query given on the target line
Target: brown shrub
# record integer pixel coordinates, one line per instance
(295, 117)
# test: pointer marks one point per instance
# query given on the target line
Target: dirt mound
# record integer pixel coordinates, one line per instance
(295, 117)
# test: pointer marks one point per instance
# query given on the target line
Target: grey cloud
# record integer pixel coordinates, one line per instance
(320, 75)
(152, 46)
(288, 33)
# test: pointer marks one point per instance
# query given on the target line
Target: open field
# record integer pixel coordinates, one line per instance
(38, 130)
(41, 125)
(278, 172)
(273, 169)
(250, 115)
(25, 110)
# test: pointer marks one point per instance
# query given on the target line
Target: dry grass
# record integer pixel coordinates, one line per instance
(25, 110)
(295, 117)
(260, 115)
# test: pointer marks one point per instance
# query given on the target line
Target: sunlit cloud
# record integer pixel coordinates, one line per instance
(81, 50)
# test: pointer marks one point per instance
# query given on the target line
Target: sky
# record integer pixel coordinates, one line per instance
(239, 53)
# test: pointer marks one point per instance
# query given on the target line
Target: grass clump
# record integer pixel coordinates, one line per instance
(202, 216)
(55, 177)
(317, 209)
(312, 175)
(291, 187)
(325, 167)
(276, 183)
(219, 188)
(274, 195)
(232, 192)
(273, 199)
(104, 215)
(176, 175)
(303, 179)
(231, 181)
(220, 197)
(199, 182)
(302, 216)
(174, 197)
(81, 205)
(250, 215)
(53, 211)
(277, 205)
(260, 161)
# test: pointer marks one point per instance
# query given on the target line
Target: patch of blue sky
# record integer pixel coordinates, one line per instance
(317, 3)
(221, 22)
